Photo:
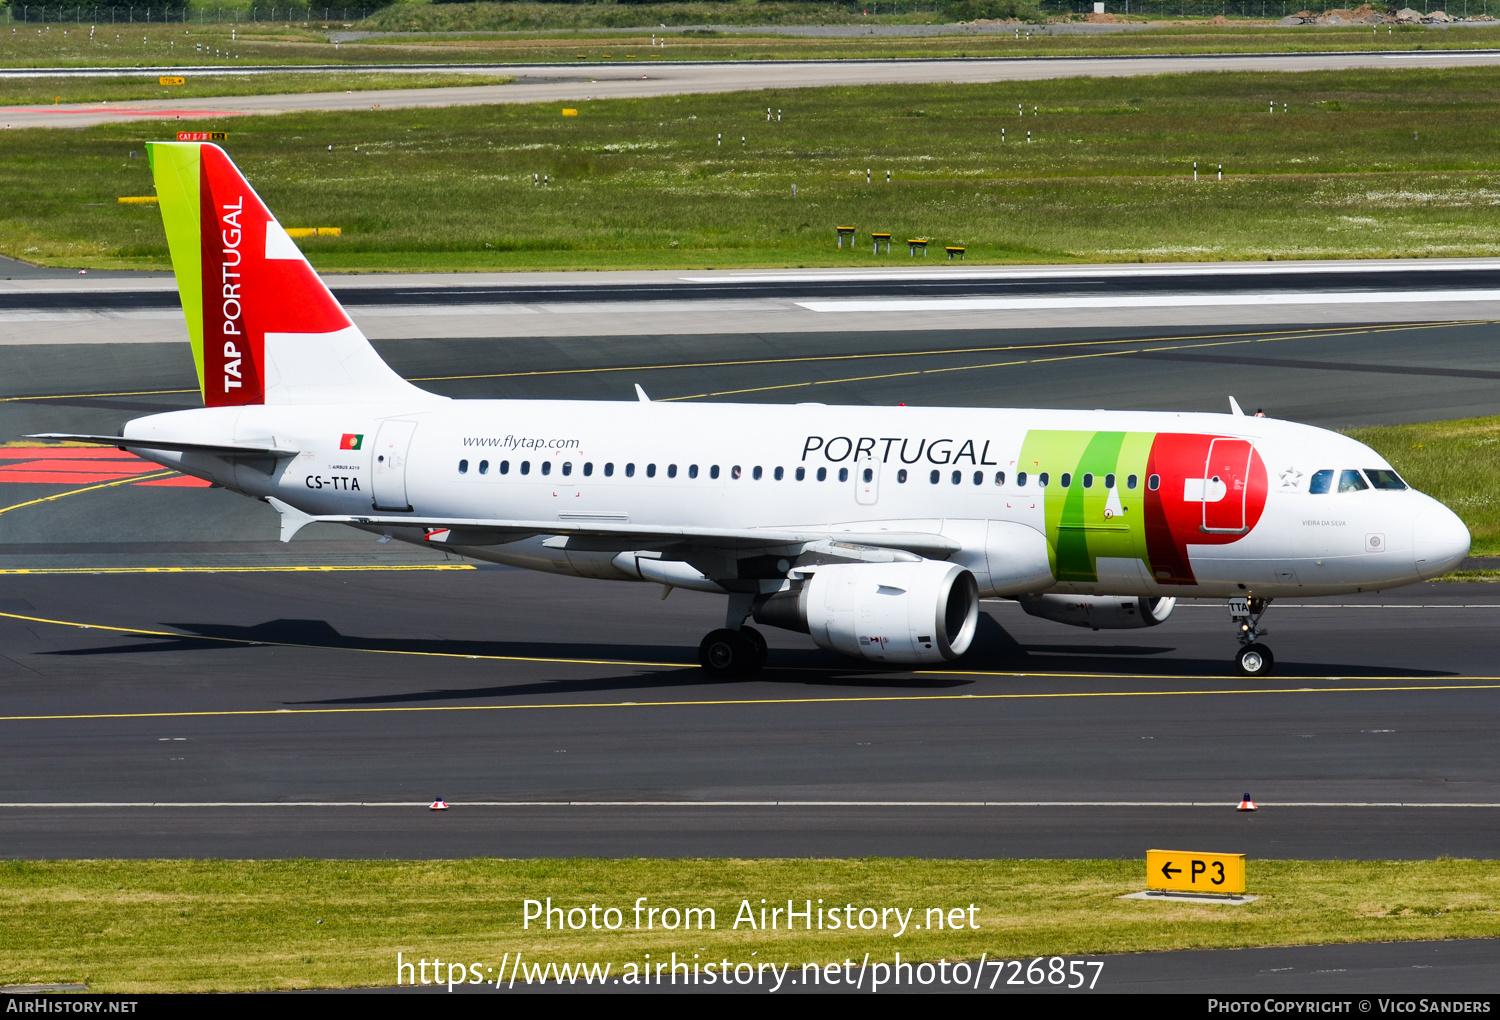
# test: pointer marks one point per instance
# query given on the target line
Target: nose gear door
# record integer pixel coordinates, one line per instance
(392, 445)
(1226, 487)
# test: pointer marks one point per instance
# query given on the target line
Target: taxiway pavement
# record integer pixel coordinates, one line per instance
(317, 711)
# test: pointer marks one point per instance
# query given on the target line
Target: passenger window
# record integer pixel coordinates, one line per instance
(1153, 483)
(1041, 479)
(692, 470)
(869, 475)
(629, 470)
(1067, 479)
(713, 472)
(801, 474)
(1384, 478)
(1350, 481)
(484, 467)
(609, 469)
(901, 477)
(650, 470)
(525, 467)
(735, 472)
(546, 467)
(1130, 481)
(999, 477)
(958, 476)
(822, 474)
(671, 470)
(978, 477)
(505, 467)
(933, 478)
(780, 473)
(1109, 481)
(463, 467)
(567, 467)
(843, 474)
(588, 468)
(756, 473)
(1021, 479)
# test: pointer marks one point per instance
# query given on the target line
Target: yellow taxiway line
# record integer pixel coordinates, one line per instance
(89, 488)
(1485, 683)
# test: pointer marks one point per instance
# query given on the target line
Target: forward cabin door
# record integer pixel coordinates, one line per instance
(867, 480)
(392, 445)
(1226, 486)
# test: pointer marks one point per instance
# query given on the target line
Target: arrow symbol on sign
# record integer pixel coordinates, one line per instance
(1169, 871)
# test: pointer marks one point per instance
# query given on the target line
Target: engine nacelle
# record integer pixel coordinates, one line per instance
(1100, 612)
(921, 612)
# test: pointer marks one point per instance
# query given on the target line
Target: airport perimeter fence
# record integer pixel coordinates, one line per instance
(178, 14)
(1259, 9)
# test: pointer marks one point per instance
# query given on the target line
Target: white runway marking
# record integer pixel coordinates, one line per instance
(425, 804)
(1001, 304)
(1341, 267)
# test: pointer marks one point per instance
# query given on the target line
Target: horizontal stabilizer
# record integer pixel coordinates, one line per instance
(266, 449)
(645, 536)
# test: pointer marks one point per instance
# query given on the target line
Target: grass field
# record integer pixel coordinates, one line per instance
(116, 45)
(27, 91)
(124, 926)
(1456, 462)
(1362, 164)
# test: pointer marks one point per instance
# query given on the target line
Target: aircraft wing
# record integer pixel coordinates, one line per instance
(623, 536)
(267, 448)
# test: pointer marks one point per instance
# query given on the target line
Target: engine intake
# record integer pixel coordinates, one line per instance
(1100, 612)
(922, 612)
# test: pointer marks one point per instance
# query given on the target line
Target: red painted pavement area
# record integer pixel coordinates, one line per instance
(74, 465)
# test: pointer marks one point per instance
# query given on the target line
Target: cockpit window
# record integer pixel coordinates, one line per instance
(1350, 481)
(1384, 478)
(1321, 482)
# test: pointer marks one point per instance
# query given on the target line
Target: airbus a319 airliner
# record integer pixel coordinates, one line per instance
(875, 530)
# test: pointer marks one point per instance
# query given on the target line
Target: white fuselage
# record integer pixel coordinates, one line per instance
(741, 467)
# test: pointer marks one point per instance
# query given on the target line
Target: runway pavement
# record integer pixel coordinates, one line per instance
(557, 83)
(65, 308)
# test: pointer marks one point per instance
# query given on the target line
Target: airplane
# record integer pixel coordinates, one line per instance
(874, 530)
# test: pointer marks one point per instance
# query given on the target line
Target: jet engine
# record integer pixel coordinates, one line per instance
(1101, 612)
(920, 612)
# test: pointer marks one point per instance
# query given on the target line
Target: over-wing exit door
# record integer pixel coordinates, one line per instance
(867, 480)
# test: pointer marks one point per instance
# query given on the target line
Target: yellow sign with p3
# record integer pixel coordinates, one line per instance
(1185, 871)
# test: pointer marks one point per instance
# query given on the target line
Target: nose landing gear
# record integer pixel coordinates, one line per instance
(1253, 658)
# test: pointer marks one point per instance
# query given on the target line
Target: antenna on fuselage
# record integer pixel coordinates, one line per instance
(1234, 407)
(640, 394)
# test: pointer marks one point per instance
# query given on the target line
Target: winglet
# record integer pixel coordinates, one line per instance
(640, 394)
(1234, 408)
(292, 519)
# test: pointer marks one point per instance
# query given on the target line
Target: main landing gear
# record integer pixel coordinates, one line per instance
(733, 650)
(732, 653)
(1253, 658)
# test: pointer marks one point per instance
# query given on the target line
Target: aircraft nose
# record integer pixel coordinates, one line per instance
(1439, 541)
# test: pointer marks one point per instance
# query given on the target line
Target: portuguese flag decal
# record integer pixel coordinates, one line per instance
(351, 441)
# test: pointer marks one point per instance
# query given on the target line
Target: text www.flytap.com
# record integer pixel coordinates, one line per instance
(873, 976)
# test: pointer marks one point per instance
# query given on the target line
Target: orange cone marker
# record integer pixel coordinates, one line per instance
(1245, 805)
(442, 805)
